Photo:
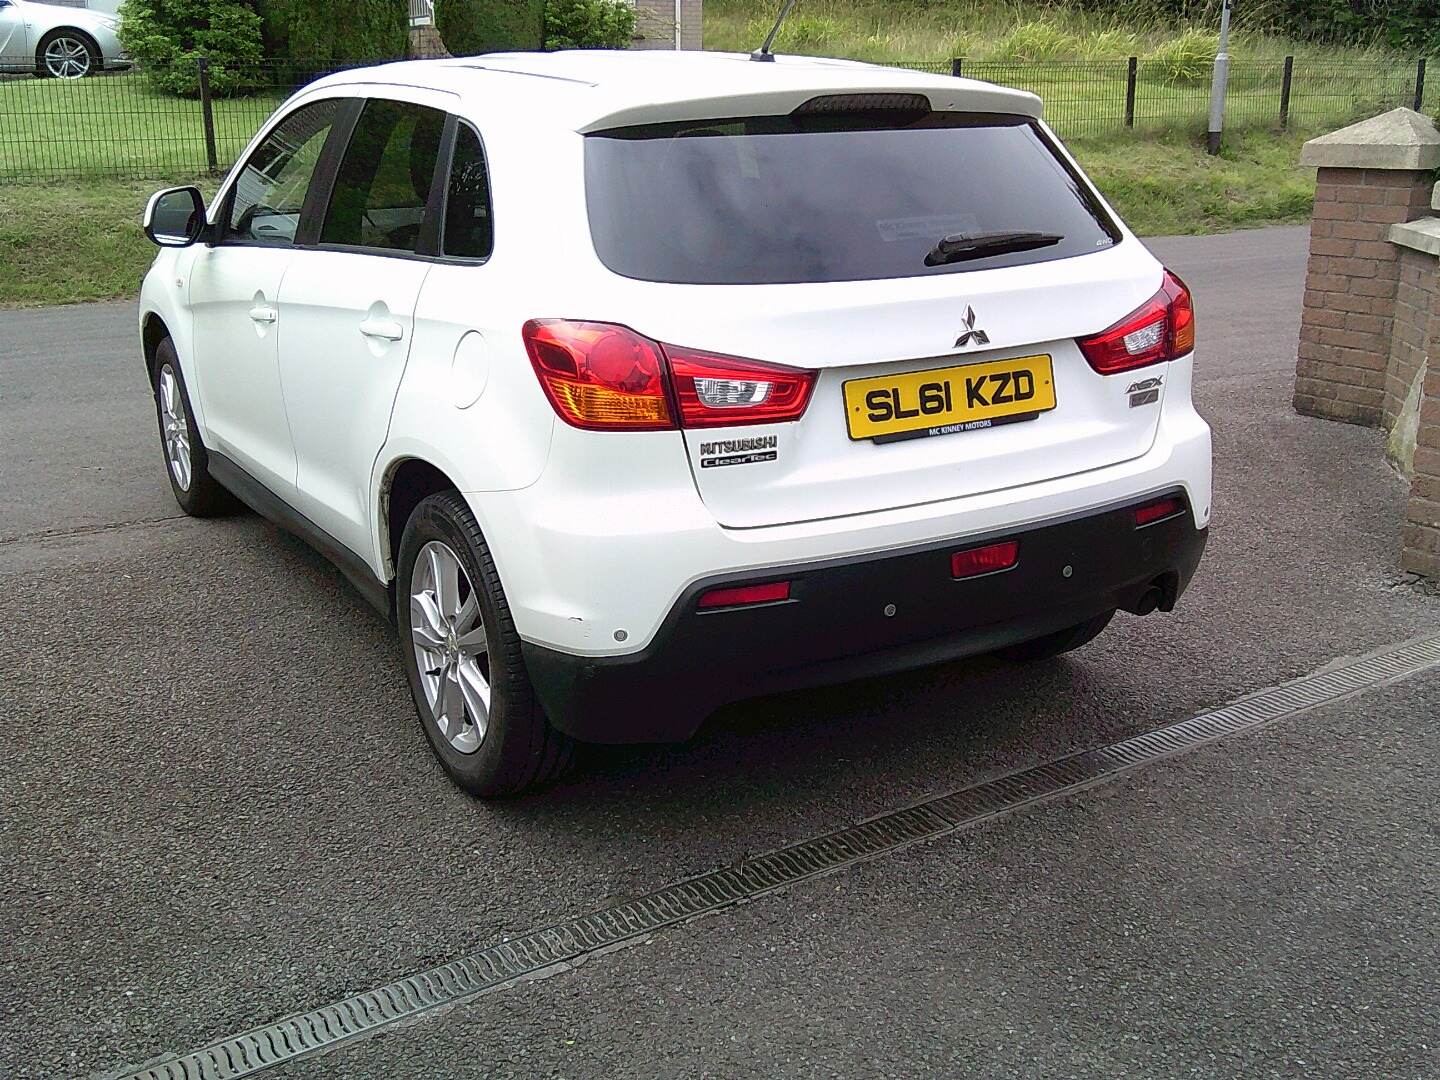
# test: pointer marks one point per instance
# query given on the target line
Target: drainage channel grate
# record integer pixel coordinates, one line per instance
(499, 965)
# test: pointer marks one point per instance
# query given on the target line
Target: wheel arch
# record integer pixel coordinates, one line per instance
(153, 330)
(405, 482)
(96, 53)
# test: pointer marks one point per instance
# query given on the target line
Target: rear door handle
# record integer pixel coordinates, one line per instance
(386, 329)
(262, 313)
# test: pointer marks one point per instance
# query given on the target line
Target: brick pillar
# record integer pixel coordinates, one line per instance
(1421, 535)
(1372, 175)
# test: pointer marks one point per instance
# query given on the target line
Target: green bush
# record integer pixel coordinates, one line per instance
(1403, 24)
(468, 27)
(1188, 58)
(588, 24)
(1035, 41)
(1111, 44)
(320, 32)
(166, 37)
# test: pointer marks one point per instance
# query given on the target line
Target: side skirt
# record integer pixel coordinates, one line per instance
(269, 505)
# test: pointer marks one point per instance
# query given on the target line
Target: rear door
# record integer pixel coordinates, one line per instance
(939, 265)
(348, 305)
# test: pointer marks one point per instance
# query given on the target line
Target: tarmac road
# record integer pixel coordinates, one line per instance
(218, 808)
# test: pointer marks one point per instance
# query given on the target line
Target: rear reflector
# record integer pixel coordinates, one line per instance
(984, 560)
(1156, 511)
(741, 595)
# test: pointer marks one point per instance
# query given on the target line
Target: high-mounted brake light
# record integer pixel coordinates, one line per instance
(1161, 329)
(606, 377)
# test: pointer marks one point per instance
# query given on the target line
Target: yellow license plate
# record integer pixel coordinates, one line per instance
(916, 404)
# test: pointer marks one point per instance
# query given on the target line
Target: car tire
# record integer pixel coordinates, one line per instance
(66, 54)
(1062, 641)
(187, 463)
(462, 657)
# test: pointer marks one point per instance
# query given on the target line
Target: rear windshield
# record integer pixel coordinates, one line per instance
(797, 198)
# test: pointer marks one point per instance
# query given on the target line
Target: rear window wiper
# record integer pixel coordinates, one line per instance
(961, 246)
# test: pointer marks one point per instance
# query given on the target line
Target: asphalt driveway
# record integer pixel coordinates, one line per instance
(218, 808)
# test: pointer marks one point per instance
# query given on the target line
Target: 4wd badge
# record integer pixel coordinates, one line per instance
(1144, 392)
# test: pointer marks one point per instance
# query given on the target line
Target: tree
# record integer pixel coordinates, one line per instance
(320, 32)
(168, 36)
(588, 24)
(476, 26)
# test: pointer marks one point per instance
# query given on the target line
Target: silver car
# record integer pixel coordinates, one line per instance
(58, 42)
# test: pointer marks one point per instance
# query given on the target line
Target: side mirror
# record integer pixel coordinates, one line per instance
(175, 217)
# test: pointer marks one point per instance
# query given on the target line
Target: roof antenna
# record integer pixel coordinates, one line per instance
(763, 53)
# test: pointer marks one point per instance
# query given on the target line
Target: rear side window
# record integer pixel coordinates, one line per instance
(811, 198)
(383, 183)
(468, 231)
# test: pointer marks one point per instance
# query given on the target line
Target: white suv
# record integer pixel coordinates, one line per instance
(630, 384)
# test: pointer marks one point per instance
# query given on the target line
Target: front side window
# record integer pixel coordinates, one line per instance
(469, 233)
(825, 196)
(384, 178)
(271, 187)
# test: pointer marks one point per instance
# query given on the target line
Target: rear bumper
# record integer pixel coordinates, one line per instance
(835, 626)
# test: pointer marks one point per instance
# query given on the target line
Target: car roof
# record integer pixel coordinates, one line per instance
(588, 90)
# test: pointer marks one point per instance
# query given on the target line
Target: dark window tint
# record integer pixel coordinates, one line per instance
(271, 187)
(384, 178)
(468, 231)
(828, 198)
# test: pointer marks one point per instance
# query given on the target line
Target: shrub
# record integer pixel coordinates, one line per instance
(588, 24)
(1188, 58)
(319, 32)
(1035, 41)
(1110, 44)
(166, 37)
(803, 34)
(476, 26)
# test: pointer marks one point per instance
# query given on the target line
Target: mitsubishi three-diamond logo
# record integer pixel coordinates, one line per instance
(971, 336)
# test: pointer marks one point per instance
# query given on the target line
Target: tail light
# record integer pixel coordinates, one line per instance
(599, 376)
(606, 377)
(1161, 329)
(718, 391)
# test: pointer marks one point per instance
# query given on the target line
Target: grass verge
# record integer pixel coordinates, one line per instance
(891, 30)
(62, 243)
(1169, 185)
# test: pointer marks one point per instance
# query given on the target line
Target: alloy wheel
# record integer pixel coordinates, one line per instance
(174, 429)
(451, 651)
(67, 58)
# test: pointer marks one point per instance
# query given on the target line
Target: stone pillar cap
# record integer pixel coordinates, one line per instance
(1398, 139)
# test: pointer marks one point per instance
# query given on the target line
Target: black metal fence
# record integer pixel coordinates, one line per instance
(119, 124)
(1092, 97)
